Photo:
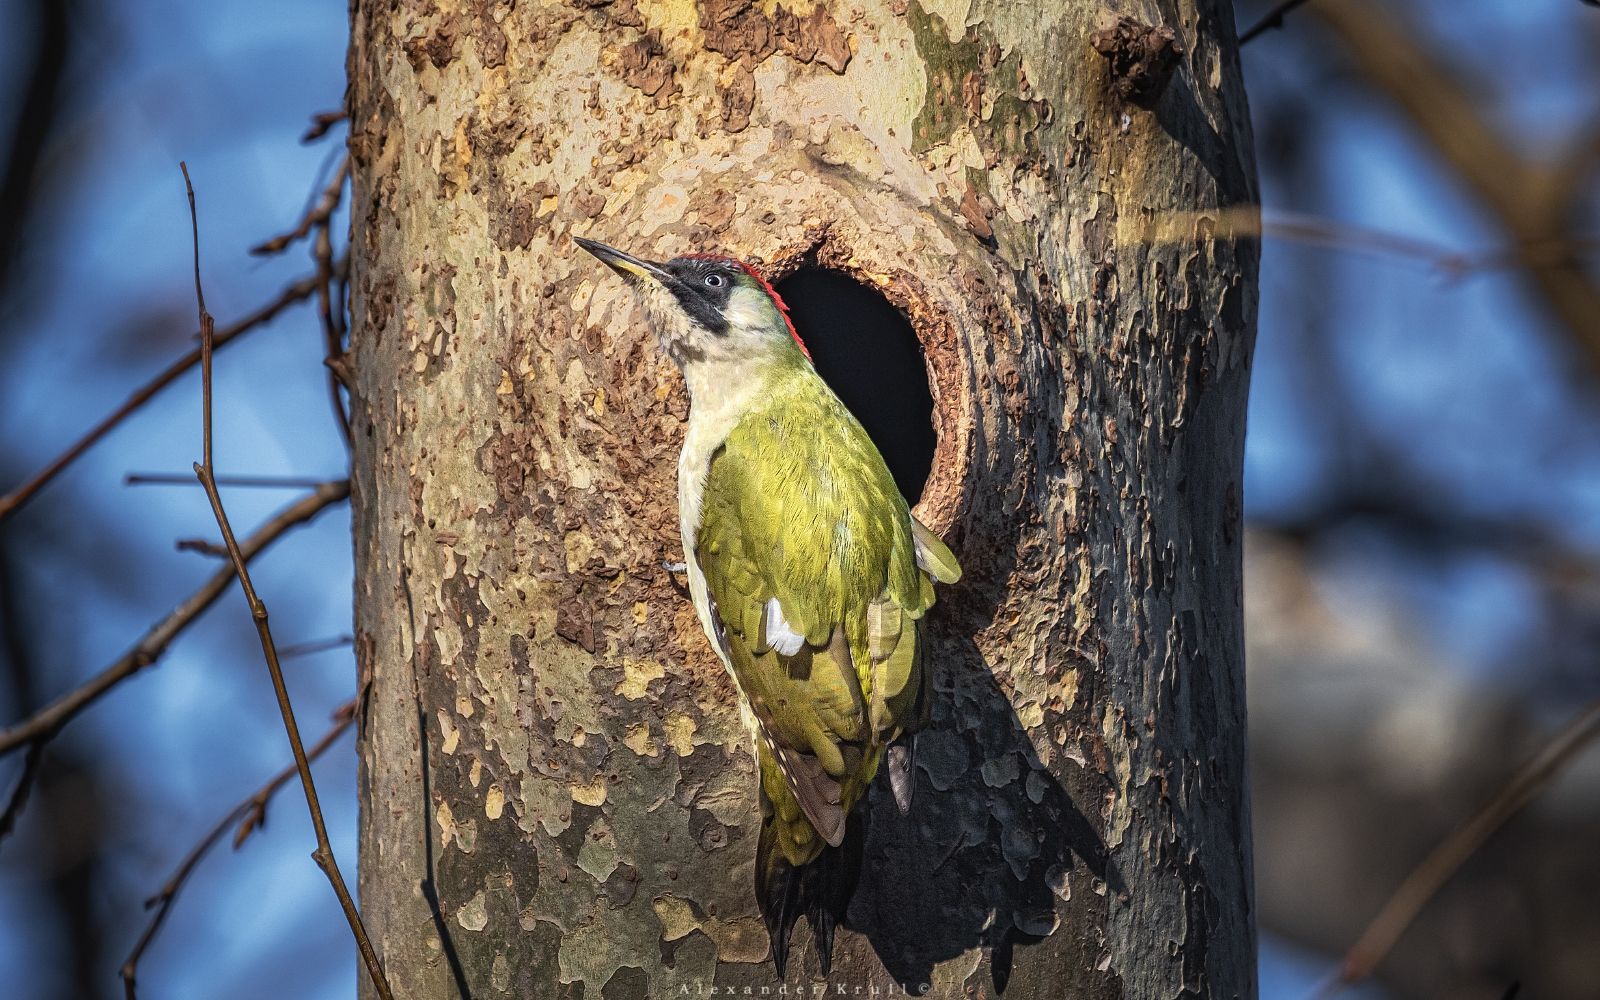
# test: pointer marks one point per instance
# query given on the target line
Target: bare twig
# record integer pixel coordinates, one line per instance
(330, 310)
(297, 292)
(19, 795)
(1452, 262)
(249, 816)
(1316, 231)
(317, 222)
(1426, 880)
(205, 471)
(321, 122)
(248, 482)
(319, 213)
(46, 722)
(1272, 19)
(1242, 222)
(201, 545)
(315, 646)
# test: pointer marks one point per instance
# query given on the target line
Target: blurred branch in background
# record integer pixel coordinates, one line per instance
(1309, 230)
(1451, 262)
(44, 724)
(61, 887)
(38, 106)
(318, 219)
(317, 215)
(1369, 739)
(315, 646)
(299, 291)
(1270, 20)
(249, 816)
(72, 799)
(1429, 877)
(1368, 745)
(1532, 201)
(89, 98)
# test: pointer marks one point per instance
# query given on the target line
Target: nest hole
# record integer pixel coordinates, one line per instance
(867, 351)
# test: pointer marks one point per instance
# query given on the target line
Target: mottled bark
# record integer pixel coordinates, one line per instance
(558, 798)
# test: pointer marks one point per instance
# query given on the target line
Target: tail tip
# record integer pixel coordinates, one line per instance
(822, 923)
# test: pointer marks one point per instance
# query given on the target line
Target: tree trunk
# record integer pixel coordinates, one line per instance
(558, 799)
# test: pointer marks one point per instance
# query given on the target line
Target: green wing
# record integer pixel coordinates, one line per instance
(818, 578)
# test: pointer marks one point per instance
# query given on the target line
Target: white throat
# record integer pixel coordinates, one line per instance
(720, 395)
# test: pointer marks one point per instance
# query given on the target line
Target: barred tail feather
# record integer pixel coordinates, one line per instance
(820, 889)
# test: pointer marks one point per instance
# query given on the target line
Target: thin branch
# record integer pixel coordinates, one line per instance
(319, 213)
(318, 220)
(331, 313)
(315, 646)
(1426, 880)
(247, 482)
(297, 292)
(19, 795)
(205, 471)
(46, 722)
(1247, 221)
(1272, 19)
(321, 122)
(249, 816)
(202, 546)
(1314, 231)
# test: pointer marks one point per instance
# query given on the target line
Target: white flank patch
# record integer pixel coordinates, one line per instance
(779, 635)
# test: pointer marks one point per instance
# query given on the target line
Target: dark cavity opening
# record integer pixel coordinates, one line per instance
(869, 354)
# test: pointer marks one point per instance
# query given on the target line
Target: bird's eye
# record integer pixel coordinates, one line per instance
(714, 280)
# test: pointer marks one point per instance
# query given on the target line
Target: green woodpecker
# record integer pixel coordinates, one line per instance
(807, 570)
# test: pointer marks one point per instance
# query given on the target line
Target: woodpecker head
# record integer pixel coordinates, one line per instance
(707, 308)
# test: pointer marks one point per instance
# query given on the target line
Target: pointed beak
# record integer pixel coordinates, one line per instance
(624, 264)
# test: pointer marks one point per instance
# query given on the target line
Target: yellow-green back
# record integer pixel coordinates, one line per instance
(799, 509)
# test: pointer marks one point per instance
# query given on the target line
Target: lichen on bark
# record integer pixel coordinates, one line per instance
(557, 797)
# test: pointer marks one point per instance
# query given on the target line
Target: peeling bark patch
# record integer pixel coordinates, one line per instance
(514, 226)
(379, 308)
(487, 34)
(1142, 58)
(716, 209)
(646, 68)
(575, 623)
(744, 33)
(433, 348)
(817, 37)
(738, 99)
(437, 48)
(626, 983)
(973, 84)
(739, 29)
(976, 216)
(475, 915)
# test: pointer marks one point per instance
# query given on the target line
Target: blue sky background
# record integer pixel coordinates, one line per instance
(1489, 408)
